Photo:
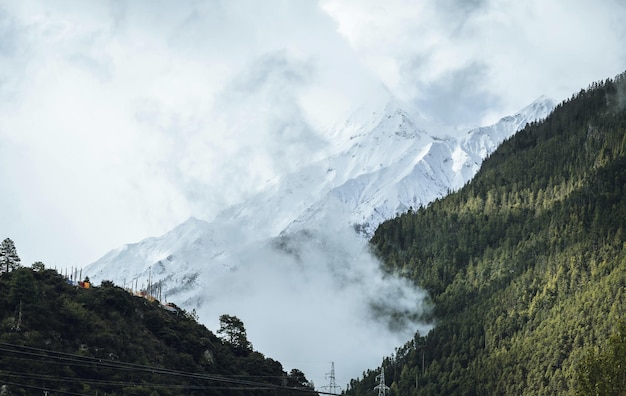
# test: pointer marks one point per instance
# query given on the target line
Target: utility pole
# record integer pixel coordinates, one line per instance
(332, 386)
(382, 388)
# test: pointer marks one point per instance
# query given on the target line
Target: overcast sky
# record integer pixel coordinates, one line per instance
(120, 119)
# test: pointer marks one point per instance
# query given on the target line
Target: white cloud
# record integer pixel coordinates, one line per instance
(482, 59)
(313, 297)
(132, 117)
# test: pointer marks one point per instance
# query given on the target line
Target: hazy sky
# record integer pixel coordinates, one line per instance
(120, 119)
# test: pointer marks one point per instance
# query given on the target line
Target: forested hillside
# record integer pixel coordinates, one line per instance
(525, 265)
(63, 339)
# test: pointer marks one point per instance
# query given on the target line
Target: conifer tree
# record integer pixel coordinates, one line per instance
(9, 260)
(234, 332)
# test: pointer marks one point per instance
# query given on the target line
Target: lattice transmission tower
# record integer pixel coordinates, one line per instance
(382, 388)
(332, 385)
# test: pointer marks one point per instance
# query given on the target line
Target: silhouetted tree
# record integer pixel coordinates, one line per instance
(38, 266)
(234, 332)
(9, 260)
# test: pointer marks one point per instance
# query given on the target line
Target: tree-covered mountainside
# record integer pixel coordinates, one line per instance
(525, 265)
(63, 339)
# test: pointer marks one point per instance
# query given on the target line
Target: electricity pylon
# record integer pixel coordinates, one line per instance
(382, 388)
(332, 386)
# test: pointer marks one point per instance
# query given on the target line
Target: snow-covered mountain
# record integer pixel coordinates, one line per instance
(271, 249)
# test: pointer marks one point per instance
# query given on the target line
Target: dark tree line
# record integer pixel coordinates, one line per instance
(63, 338)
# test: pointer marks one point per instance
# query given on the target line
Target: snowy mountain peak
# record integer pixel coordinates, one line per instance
(298, 235)
(545, 103)
(539, 109)
(383, 116)
(384, 164)
(480, 142)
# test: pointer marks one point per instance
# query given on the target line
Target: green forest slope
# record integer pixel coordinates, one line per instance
(68, 340)
(525, 265)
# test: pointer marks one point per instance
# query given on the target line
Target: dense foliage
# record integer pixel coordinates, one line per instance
(525, 265)
(103, 340)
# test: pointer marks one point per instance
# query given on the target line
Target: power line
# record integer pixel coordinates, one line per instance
(49, 356)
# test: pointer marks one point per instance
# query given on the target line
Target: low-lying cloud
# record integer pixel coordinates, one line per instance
(313, 297)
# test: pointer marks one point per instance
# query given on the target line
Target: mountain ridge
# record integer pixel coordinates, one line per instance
(526, 264)
(72, 339)
(385, 165)
(363, 195)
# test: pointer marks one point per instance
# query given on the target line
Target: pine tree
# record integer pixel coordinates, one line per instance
(234, 332)
(9, 260)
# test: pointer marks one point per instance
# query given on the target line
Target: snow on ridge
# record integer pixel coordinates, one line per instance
(447, 165)
(135, 260)
(481, 142)
(382, 163)
(288, 256)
